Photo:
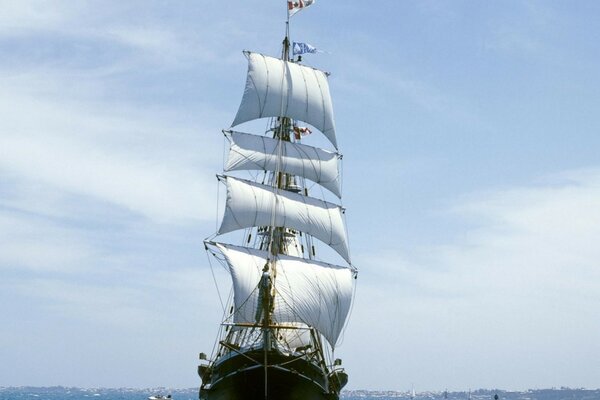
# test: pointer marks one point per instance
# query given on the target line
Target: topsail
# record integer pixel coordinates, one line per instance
(251, 204)
(253, 152)
(277, 88)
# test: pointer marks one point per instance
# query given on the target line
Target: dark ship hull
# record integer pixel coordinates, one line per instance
(241, 376)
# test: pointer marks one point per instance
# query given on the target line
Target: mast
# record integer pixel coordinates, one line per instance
(281, 133)
(286, 92)
(276, 234)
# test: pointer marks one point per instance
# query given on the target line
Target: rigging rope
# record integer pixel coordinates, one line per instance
(215, 281)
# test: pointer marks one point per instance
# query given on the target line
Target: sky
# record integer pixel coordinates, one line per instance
(470, 134)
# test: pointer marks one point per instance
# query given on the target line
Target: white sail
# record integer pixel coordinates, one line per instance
(251, 204)
(306, 291)
(294, 338)
(252, 152)
(277, 88)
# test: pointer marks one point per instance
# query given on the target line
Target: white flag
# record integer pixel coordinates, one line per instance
(298, 5)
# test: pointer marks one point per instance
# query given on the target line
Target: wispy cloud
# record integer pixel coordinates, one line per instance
(525, 35)
(101, 184)
(370, 79)
(145, 160)
(526, 266)
(524, 242)
(163, 46)
(35, 244)
(27, 15)
(545, 236)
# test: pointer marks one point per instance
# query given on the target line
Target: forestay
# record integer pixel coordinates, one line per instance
(252, 152)
(306, 291)
(251, 204)
(277, 88)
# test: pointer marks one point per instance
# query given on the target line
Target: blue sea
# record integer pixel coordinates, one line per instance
(60, 393)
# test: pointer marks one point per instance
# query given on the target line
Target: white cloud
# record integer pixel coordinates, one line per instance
(144, 160)
(24, 15)
(142, 186)
(37, 245)
(363, 79)
(518, 287)
(547, 233)
(525, 35)
(97, 181)
(69, 128)
(162, 46)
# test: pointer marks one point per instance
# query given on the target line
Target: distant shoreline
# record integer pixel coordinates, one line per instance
(75, 393)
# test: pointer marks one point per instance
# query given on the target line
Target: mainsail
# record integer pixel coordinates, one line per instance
(307, 291)
(278, 88)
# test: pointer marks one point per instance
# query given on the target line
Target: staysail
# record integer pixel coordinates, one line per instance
(277, 88)
(310, 292)
(253, 152)
(251, 204)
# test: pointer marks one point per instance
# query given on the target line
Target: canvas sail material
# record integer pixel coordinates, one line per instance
(294, 338)
(252, 152)
(310, 292)
(277, 88)
(251, 204)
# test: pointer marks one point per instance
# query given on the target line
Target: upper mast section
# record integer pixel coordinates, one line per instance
(292, 8)
(276, 244)
(285, 53)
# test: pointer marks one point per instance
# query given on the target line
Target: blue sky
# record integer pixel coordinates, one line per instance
(471, 177)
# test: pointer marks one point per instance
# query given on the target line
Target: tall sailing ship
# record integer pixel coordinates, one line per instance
(288, 308)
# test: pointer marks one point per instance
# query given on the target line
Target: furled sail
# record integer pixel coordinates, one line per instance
(306, 291)
(251, 152)
(251, 204)
(277, 88)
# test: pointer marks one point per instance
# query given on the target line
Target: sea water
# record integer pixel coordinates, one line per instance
(60, 393)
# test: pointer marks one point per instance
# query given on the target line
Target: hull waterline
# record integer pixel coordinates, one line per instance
(288, 377)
